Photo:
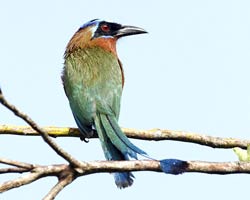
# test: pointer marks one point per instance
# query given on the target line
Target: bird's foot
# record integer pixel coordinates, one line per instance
(85, 136)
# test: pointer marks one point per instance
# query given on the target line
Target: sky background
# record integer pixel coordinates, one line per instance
(190, 73)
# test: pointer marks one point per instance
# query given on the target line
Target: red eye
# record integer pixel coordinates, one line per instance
(105, 28)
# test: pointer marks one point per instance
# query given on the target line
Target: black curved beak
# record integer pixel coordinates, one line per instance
(129, 30)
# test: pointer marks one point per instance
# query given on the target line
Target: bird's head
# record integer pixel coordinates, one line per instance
(101, 33)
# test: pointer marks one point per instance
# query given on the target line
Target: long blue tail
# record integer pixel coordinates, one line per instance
(116, 146)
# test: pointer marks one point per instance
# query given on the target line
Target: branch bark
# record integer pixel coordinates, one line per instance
(59, 187)
(154, 134)
(66, 174)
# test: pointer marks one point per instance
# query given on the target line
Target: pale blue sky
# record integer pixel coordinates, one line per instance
(190, 73)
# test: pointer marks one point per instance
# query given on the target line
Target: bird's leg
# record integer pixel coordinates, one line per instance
(85, 137)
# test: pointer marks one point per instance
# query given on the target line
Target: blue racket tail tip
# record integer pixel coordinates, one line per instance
(173, 166)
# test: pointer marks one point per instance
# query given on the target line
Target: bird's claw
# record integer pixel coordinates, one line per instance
(83, 138)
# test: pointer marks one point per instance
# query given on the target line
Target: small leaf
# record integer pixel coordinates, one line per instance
(241, 153)
(248, 152)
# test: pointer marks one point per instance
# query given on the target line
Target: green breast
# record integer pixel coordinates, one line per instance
(93, 82)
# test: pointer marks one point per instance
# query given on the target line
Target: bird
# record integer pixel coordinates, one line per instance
(93, 80)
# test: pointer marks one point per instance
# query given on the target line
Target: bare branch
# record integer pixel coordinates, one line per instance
(66, 174)
(62, 183)
(219, 167)
(13, 170)
(151, 165)
(16, 163)
(215, 142)
(34, 174)
(28, 131)
(154, 134)
(20, 181)
(43, 133)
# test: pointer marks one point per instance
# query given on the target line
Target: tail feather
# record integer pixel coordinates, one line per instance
(116, 146)
(123, 179)
(114, 138)
(111, 152)
(123, 137)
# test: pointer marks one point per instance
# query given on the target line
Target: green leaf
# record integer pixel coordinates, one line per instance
(243, 155)
(248, 152)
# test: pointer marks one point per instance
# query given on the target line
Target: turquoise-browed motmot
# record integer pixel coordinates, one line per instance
(93, 81)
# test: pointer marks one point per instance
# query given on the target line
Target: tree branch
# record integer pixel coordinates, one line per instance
(20, 181)
(66, 174)
(16, 163)
(62, 183)
(34, 174)
(43, 133)
(154, 134)
(13, 170)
